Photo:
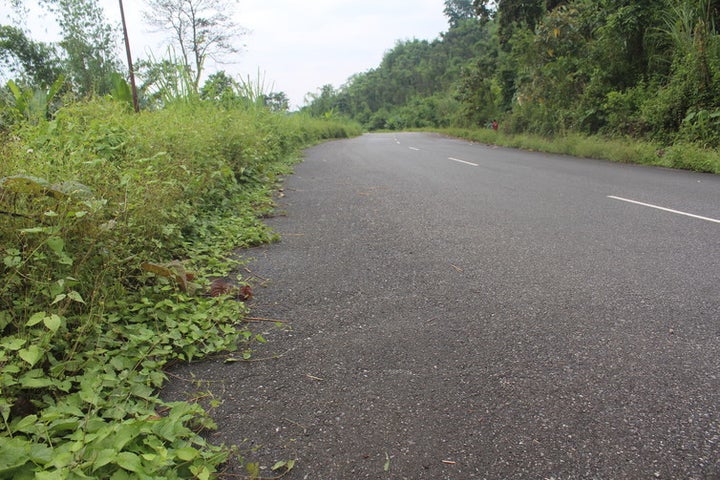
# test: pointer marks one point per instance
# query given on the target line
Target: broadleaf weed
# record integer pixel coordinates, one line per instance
(86, 199)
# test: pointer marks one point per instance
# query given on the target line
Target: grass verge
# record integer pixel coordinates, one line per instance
(683, 156)
(113, 226)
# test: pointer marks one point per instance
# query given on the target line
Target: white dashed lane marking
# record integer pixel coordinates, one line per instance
(657, 207)
(463, 161)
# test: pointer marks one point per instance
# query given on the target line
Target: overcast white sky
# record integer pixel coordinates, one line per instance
(296, 45)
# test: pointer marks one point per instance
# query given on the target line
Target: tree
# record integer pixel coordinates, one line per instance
(458, 10)
(218, 86)
(323, 102)
(89, 43)
(277, 101)
(513, 13)
(36, 61)
(201, 29)
(88, 56)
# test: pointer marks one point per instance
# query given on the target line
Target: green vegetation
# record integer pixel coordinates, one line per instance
(113, 225)
(629, 71)
(681, 155)
(117, 233)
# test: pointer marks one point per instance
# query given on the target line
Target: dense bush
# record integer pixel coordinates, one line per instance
(112, 226)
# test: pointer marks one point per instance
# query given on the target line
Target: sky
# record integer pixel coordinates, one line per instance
(293, 46)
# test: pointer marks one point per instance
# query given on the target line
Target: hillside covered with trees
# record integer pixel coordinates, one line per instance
(646, 69)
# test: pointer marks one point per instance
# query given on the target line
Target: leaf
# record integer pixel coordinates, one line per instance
(26, 424)
(24, 184)
(386, 467)
(187, 454)
(174, 270)
(13, 343)
(52, 475)
(35, 319)
(4, 410)
(202, 473)
(28, 381)
(56, 244)
(129, 461)
(53, 322)
(49, 230)
(75, 296)
(59, 298)
(286, 464)
(72, 189)
(41, 454)
(13, 454)
(13, 259)
(104, 457)
(253, 470)
(32, 354)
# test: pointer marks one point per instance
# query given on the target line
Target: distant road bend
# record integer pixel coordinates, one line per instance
(461, 311)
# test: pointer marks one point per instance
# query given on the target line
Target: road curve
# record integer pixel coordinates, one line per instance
(461, 311)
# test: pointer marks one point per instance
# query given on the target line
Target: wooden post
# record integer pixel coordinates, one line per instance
(136, 105)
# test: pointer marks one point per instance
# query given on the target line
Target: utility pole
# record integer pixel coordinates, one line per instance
(136, 105)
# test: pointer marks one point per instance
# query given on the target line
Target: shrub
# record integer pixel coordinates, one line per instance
(112, 226)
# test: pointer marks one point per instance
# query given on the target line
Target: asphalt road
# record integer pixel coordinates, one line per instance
(461, 311)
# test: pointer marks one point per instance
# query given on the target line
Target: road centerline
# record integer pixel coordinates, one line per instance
(657, 207)
(415, 149)
(463, 161)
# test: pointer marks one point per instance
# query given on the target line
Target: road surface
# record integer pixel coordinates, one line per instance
(461, 311)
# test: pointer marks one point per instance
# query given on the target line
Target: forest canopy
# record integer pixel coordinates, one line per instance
(646, 69)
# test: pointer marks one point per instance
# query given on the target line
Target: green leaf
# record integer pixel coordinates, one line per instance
(202, 472)
(52, 475)
(59, 298)
(35, 319)
(49, 230)
(32, 354)
(104, 457)
(75, 296)
(286, 464)
(4, 409)
(13, 454)
(126, 433)
(53, 322)
(26, 424)
(41, 454)
(31, 381)
(253, 469)
(13, 343)
(121, 475)
(129, 461)
(56, 244)
(187, 454)
(13, 258)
